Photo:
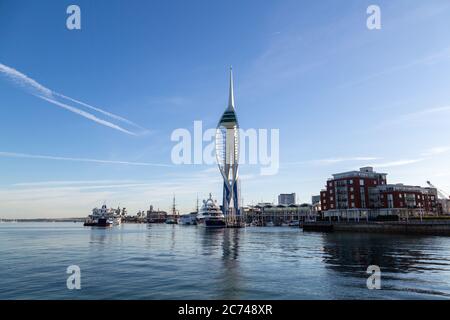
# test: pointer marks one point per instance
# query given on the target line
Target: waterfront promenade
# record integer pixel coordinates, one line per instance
(433, 227)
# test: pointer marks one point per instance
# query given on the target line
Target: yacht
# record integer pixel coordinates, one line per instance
(294, 223)
(171, 221)
(188, 219)
(210, 215)
(103, 217)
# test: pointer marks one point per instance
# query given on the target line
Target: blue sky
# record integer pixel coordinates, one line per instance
(341, 95)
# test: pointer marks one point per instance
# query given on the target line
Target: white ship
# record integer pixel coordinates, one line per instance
(188, 219)
(210, 215)
(104, 217)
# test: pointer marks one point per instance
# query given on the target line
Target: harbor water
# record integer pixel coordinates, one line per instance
(159, 261)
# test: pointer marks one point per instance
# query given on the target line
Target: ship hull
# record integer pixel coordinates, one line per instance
(99, 223)
(212, 223)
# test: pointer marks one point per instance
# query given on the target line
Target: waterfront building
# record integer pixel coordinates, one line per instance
(444, 205)
(403, 196)
(264, 213)
(286, 198)
(365, 194)
(227, 155)
(315, 199)
(316, 204)
(156, 216)
(350, 189)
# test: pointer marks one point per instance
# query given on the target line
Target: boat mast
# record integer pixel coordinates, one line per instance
(196, 206)
(174, 208)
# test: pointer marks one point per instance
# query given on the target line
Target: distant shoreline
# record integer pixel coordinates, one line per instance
(45, 220)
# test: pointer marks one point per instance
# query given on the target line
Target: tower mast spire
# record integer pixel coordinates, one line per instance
(231, 93)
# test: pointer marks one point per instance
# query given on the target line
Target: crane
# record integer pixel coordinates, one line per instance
(442, 194)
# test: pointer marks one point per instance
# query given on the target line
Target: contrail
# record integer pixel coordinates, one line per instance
(109, 114)
(87, 115)
(45, 157)
(24, 81)
(43, 92)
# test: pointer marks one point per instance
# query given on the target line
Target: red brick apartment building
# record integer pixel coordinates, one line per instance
(366, 194)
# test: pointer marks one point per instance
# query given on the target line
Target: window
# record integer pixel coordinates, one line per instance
(331, 198)
(390, 199)
(330, 184)
(352, 197)
(332, 206)
(351, 189)
(363, 203)
(361, 182)
(331, 191)
(353, 204)
(350, 181)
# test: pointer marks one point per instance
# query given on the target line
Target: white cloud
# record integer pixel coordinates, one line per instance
(45, 157)
(425, 112)
(435, 151)
(397, 163)
(417, 117)
(77, 198)
(69, 182)
(330, 161)
(427, 60)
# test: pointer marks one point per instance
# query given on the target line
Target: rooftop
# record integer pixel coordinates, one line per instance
(365, 172)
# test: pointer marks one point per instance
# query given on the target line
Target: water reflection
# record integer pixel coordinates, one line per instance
(353, 253)
(231, 279)
(221, 246)
(230, 245)
(211, 240)
(97, 236)
(178, 262)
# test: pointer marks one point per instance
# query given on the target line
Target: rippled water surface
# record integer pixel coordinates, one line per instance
(188, 262)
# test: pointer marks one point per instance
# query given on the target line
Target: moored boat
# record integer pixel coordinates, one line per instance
(171, 221)
(294, 223)
(188, 219)
(210, 215)
(103, 217)
(173, 218)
